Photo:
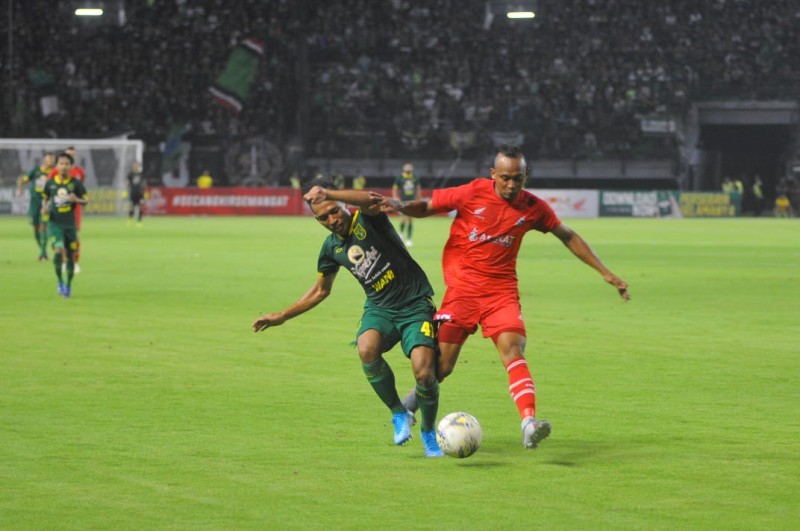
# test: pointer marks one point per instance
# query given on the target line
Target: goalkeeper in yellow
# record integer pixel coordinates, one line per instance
(398, 308)
(61, 194)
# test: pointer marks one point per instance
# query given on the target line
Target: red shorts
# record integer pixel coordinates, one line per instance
(78, 216)
(495, 313)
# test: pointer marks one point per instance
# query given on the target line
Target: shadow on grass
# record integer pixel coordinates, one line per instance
(578, 453)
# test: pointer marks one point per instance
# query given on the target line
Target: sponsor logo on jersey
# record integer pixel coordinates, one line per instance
(478, 212)
(505, 240)
(355, 254)
(384, 281)
(364, 262)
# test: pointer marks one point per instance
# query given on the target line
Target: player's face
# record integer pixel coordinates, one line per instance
(48, 161)
(333, 216)
(63, 166)
(509, 176)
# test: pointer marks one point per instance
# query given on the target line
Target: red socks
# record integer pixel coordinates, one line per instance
(520, 385)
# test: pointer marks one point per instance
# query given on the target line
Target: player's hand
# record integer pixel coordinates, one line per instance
(317, 194)
(390, 205)
(375, 199)
(267, 320)
(621, 285)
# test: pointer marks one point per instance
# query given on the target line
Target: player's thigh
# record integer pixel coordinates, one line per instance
(71, 239)
(502, 313)
(55, 235)
(461, 309)
(416, 326)
(380, 322)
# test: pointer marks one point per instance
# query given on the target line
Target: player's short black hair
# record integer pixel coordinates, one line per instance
(319, 180)
(511, 151)
(66, 156)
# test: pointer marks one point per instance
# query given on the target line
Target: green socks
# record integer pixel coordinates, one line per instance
(381, 378)
(428, 399)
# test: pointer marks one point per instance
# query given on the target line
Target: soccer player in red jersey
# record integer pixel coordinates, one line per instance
(479, 265)
(77, 172)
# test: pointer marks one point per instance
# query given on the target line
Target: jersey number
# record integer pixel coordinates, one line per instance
(427, 329)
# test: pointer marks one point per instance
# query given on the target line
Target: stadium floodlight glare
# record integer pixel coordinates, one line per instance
(89, 12)
(520, 14)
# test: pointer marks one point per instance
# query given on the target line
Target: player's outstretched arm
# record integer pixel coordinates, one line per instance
(366, 201)
(417, 208)
(573, 241)
(318, 293)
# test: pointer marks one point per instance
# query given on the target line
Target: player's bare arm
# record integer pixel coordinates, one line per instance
(573, 241)
(366, 201)
(417, 208)
(315, 295)
(80, 200)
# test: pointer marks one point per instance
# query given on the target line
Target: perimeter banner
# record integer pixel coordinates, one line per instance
(571, 203)
(666, 203)
(224, 202)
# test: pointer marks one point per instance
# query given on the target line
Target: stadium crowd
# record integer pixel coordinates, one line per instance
(400, 78)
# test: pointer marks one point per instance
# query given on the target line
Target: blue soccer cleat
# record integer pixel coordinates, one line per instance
(61, 288)
(402, 427)
(431, 446)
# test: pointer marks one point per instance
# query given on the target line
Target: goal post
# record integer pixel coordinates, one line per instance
(107, 163)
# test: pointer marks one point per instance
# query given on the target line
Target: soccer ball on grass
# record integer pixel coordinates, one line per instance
(459, 434)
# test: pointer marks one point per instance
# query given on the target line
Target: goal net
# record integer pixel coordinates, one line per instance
(107, 163)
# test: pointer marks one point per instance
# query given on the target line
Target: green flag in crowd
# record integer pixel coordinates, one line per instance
(232, 86)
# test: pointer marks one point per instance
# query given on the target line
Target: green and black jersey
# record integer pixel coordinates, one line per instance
(36, 178)
(60, 210)
(408, 186)
(375, 255)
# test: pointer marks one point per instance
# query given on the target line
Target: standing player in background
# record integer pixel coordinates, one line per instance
(62, 194)
(79, 174)
(406, 187)
(136, 192)
(398, 308)
(35, 180)
(479, 265)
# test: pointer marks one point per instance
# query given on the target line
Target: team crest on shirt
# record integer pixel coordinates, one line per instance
(359, 231)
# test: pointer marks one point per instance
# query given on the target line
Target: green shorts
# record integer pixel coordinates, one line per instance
(412, 326)
(65, 237)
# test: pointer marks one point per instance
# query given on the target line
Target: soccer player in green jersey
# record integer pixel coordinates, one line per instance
(398, 308)
(35, 180)
(61, 194)
(406, 187)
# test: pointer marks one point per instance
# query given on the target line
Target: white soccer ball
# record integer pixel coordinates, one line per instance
(459, 434)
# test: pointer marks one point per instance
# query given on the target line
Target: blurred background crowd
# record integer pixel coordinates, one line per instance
(399, 78)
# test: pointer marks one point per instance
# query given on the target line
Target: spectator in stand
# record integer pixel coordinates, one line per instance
(758, 195)
(205, 180)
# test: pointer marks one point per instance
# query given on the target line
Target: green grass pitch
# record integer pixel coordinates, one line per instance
(145, 401)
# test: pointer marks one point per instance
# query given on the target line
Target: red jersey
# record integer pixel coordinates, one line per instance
(77, 172)
(486, 234)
